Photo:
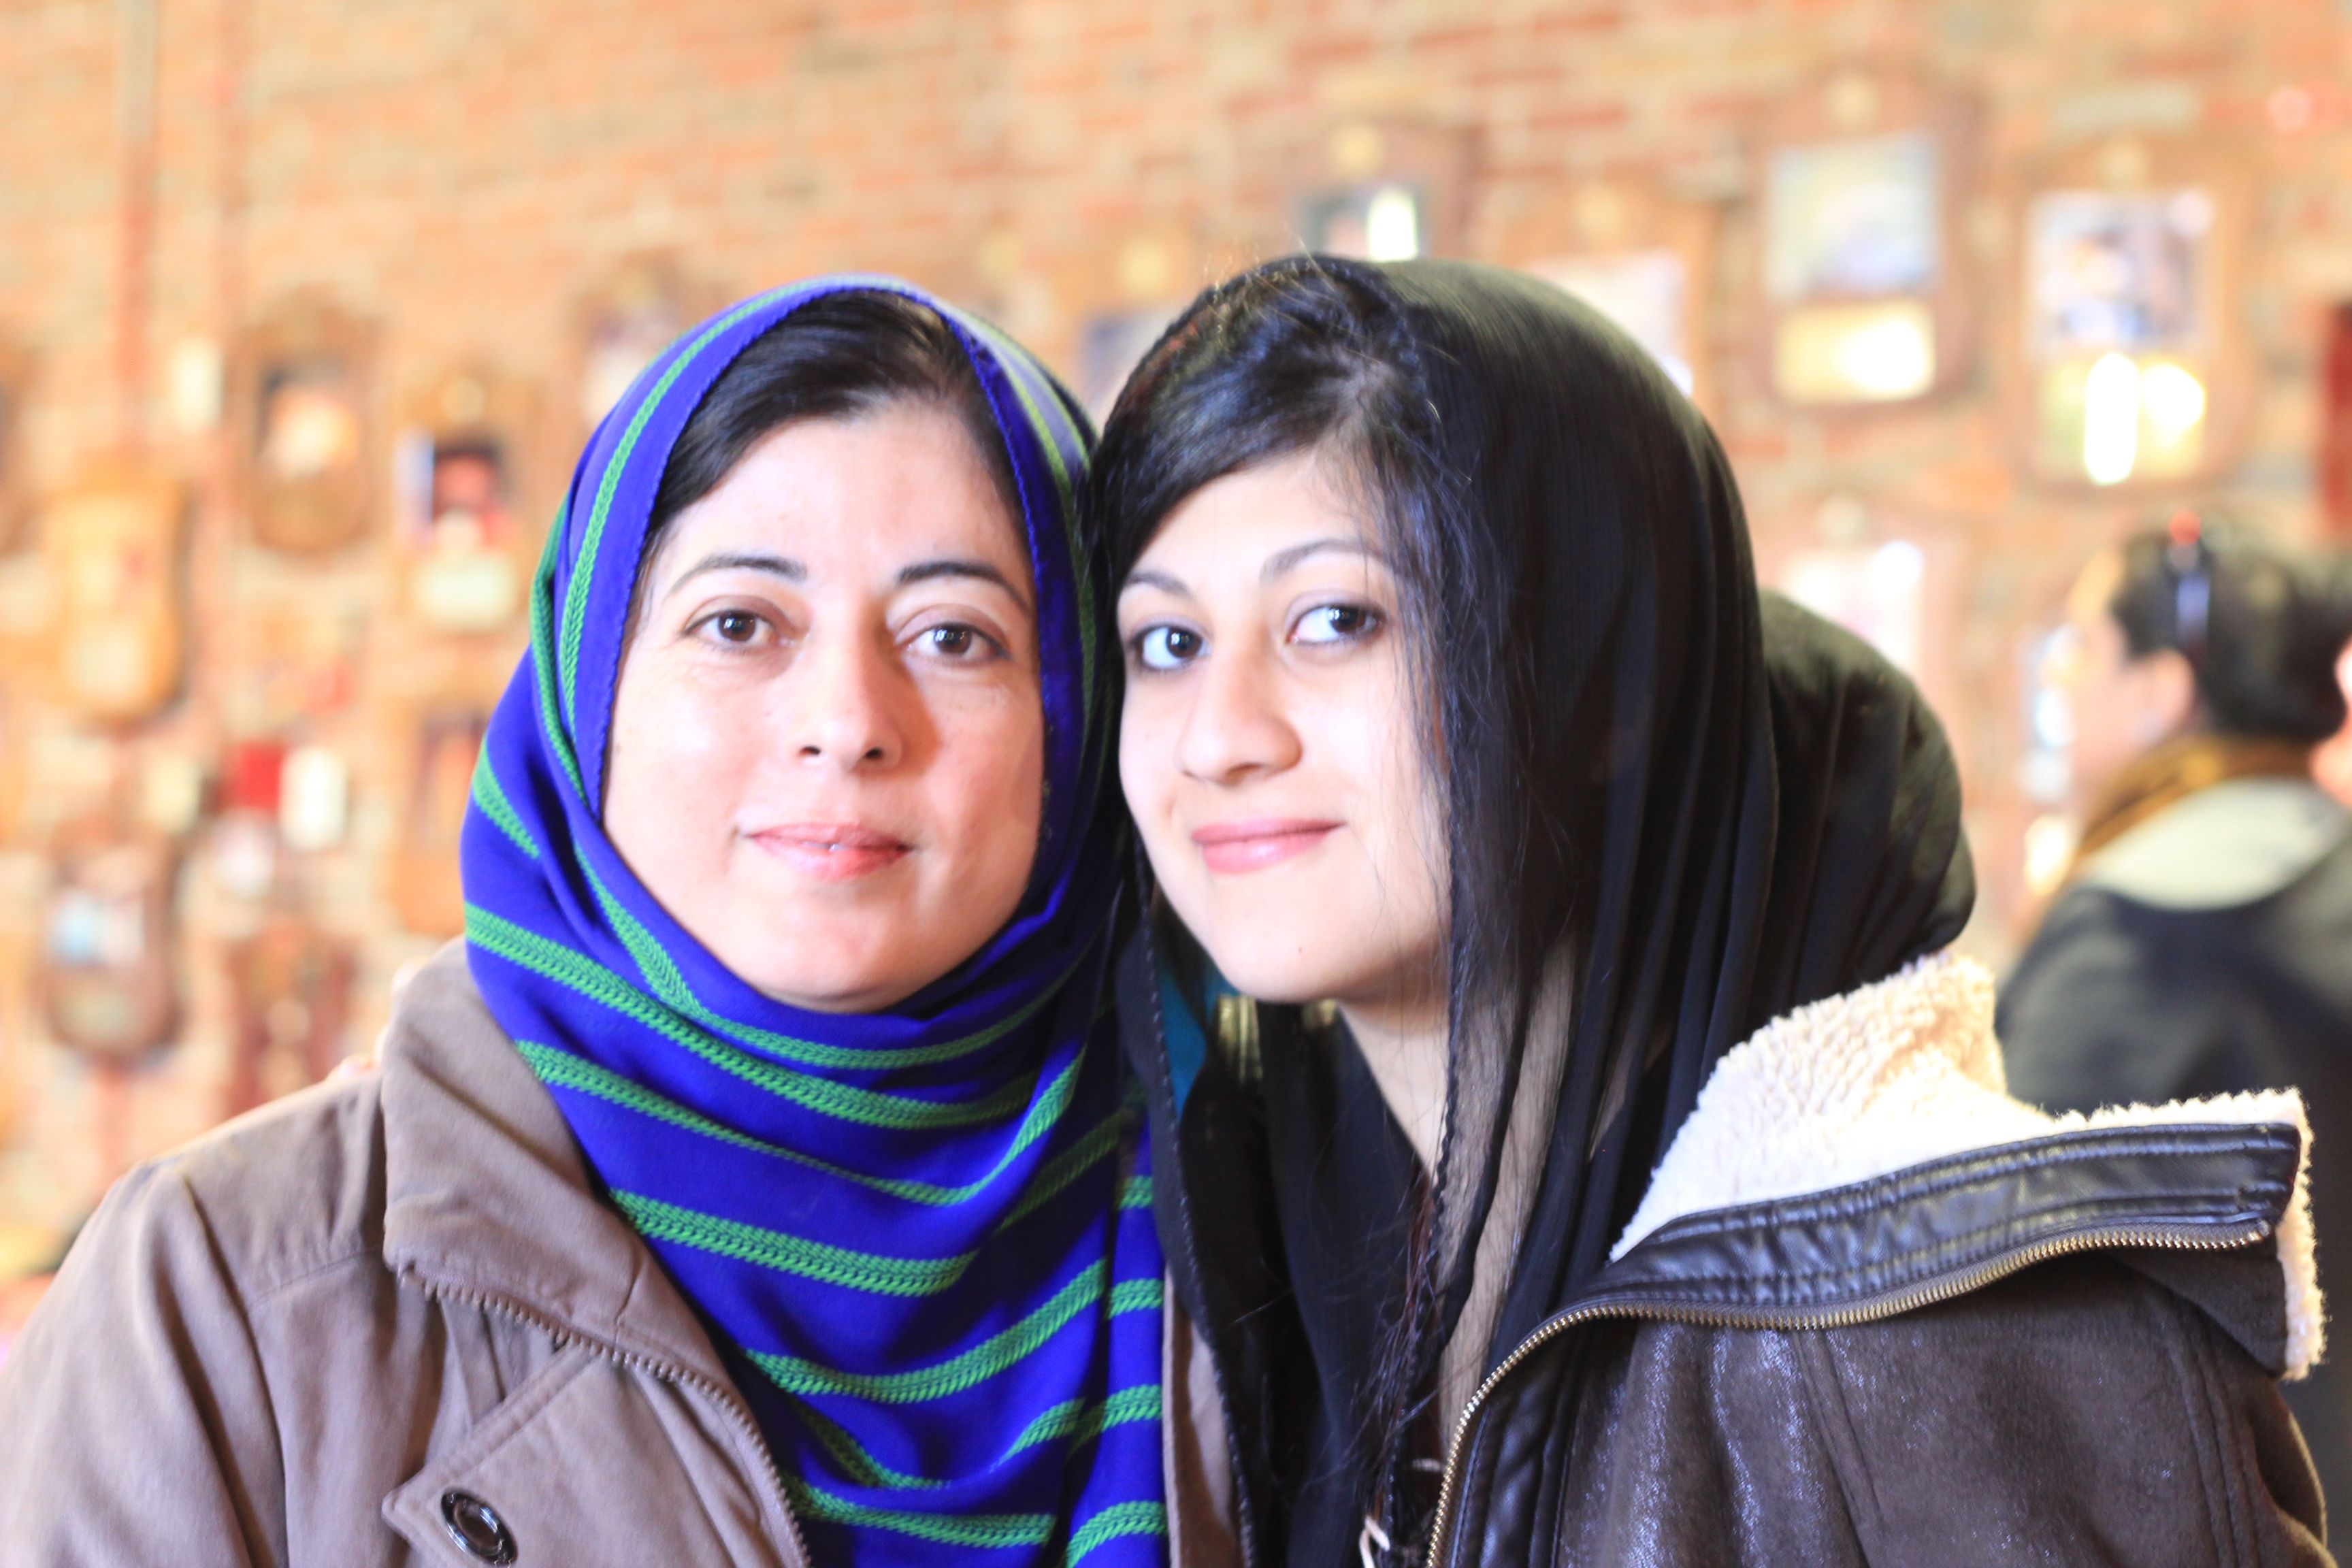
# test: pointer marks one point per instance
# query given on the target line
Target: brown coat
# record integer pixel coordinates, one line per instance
(309, 1335)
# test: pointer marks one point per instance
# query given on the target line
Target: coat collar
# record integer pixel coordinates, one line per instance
(485, 1194)
(1895, 1075)
(2233, 844)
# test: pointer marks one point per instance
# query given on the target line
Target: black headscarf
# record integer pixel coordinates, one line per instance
(1660, 837)
(1619, 801)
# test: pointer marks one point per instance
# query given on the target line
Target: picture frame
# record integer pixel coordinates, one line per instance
(2333, 456)
(2126, 365)
(1386, 188)
(305, 424)
(290, 985)
(633, 313)
(1862, 289)
(1641, 258)
(440, 741)
(114, 550)
(107, 974)
(16, 490)
(467, 500)
(1114, 299)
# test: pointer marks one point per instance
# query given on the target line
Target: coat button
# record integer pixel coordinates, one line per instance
(476, 1528)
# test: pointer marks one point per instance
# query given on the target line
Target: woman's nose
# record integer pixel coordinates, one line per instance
(1236, 728)
(845, 700)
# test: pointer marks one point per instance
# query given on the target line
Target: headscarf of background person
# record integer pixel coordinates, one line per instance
(2260, 630)
(1595, 682)
(908, 1229)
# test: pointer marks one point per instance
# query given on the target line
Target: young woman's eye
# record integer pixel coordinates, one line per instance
(1167, 648)
(959, 642)
(1336, 622)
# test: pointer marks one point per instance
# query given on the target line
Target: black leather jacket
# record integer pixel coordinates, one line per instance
(2059, 1350)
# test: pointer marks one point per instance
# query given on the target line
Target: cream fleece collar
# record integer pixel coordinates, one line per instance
(1899, 1073)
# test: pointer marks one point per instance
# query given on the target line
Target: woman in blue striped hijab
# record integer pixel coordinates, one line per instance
(792, 872)
(758, 1183)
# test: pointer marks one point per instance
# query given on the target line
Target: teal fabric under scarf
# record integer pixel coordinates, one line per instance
(922, 1238)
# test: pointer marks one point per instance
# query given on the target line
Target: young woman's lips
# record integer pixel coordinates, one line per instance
(831, 851)
(1254, 846)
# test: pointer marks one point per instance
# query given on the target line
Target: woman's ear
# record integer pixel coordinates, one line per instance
(2161, 688)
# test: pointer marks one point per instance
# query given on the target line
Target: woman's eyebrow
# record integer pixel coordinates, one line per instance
(1144, 577)
(1286, 561)
(955, 566)
(783, 566)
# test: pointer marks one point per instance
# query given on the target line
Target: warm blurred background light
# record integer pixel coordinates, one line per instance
(306, 305)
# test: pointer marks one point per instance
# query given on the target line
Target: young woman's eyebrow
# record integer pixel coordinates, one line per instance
(1144, 577)
(956, 567)
(1287, 561)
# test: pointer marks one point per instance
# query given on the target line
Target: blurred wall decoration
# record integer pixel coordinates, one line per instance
(1867, 297)
(306, 305)
(1640, 257)
(2134, 348)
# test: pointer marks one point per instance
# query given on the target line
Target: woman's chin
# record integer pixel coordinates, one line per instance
(831, 992)
(820, 971)
(1245, 969)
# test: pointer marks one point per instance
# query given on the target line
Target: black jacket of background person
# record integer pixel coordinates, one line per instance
(2209, 950)
(2057, 1352)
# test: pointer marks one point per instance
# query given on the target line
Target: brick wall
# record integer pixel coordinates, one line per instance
(464, 173)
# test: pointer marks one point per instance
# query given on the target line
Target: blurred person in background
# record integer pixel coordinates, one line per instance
(757, 1182)
(2332, 762)
(2203, 941)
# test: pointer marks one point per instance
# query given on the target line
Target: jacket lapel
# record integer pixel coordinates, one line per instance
(488, 1202)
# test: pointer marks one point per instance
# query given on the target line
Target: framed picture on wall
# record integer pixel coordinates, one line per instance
(2128, 357)
(114, 546)
(1117, 297)
(464, 461)
(303, 387)
(442, 743)
(1894, 576)
(289, 986)
(1110, 345)
(107, 977)
(1861, 288)
(1638, 257)
(2335, 456)
(637, 310)
(16, 482)
(1386, 189)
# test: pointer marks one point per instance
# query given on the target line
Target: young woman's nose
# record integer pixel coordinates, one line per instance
(1236, 727)
(845, 700)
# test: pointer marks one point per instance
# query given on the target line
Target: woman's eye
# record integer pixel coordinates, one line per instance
(735, 625)
(956, 641)
(1336, 622)
(1167, 648)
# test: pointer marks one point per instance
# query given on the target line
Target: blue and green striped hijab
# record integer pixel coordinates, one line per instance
(922, 1238)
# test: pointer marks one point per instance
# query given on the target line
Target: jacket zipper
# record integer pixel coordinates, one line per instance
(2178, 1239)
(666, 1371)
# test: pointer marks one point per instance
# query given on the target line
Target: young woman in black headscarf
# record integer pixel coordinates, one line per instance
(1584, 1148)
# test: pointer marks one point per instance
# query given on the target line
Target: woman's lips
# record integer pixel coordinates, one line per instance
(831, 851)
(1254, 846)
